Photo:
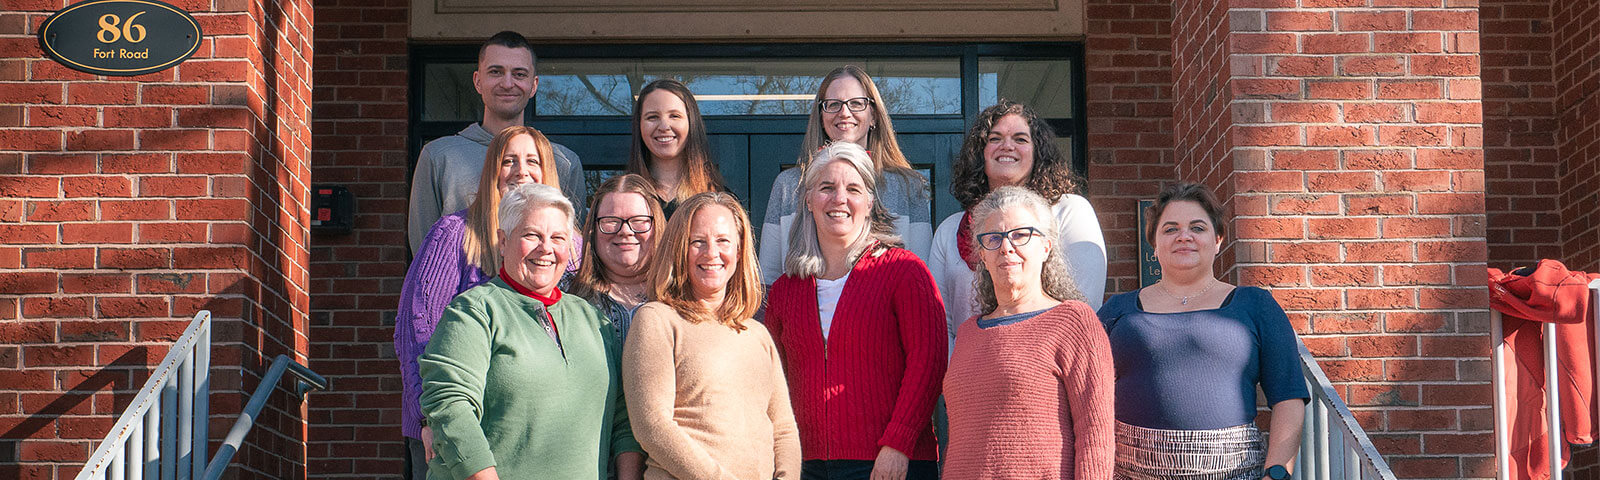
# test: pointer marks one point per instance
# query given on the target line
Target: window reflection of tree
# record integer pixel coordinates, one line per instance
(611, 93)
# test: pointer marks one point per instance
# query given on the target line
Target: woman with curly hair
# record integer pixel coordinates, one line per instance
(1030, 385)
(1010, 145)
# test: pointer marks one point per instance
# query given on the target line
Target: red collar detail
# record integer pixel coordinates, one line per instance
(547, 301)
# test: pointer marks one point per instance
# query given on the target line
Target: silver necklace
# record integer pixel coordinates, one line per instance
(1184, 300)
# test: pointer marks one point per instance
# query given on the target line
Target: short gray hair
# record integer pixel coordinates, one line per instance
(1056, 277)
(804, 258)
(516, 204)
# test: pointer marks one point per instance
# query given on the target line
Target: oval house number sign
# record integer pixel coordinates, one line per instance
(120, 37)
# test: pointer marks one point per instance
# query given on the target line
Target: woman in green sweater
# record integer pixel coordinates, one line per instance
(519, 380)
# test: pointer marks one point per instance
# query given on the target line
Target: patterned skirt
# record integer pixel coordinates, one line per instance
(1233, 453)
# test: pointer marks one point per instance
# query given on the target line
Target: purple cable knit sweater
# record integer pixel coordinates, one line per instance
(438, 273)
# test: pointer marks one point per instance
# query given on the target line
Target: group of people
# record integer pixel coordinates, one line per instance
(640, 331)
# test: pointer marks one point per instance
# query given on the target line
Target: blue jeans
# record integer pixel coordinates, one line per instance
(862, 470)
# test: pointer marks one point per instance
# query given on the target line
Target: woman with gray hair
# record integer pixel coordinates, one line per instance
(518, 379)
(858, 322)
(1029, 388)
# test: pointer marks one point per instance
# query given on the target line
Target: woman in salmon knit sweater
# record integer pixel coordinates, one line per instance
(712, 403)
(861, 329)
(1029, 389)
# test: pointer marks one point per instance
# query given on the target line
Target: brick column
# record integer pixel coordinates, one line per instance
(1127, 58)
(1519, 133)
(1348, 136)
(127, 204)
(361, 131)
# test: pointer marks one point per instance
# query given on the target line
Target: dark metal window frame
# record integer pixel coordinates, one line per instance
(1075, 128)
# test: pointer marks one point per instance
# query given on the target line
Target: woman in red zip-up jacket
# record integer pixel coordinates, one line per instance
(860, 326)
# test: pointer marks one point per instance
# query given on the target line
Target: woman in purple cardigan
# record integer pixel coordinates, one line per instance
(453, 258)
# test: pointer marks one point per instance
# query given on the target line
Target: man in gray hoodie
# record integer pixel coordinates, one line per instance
(448, 170)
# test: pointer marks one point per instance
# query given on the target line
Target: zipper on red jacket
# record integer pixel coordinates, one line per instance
(827, 439)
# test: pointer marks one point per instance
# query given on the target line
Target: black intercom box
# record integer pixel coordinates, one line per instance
(333, 209)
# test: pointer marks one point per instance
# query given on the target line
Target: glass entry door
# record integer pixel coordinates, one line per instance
(756, 98)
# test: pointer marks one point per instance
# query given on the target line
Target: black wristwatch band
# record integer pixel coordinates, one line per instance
(1278, 472)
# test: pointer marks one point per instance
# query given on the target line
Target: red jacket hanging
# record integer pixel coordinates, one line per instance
(1548, 294)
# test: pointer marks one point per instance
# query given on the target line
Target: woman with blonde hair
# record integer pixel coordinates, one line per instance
(458, 254)
(849, 109)
(861, 330)
(706, 392)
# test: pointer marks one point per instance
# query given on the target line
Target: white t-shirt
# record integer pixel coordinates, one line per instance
(828, 292)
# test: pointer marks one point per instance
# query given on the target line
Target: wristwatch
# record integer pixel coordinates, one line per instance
(1277, 472)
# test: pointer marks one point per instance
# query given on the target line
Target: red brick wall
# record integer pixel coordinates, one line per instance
(1128, 55)
(127, 204)
(1204, 93)
(361, 130)
(1519, 133)
(1577, 80)
(1358, 178)
(1203, 90)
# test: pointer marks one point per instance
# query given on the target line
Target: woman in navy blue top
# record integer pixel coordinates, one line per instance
(1189, 352)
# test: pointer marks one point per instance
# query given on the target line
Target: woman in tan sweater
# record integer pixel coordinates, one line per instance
(705, 390)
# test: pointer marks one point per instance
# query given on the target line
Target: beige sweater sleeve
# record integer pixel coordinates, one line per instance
(785, 434)
(649, 379)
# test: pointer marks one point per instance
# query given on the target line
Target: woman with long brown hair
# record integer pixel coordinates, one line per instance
(619, 241)
(849, 109)
(669, 143)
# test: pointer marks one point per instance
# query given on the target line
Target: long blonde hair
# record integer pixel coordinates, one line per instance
(881, 142)
(669, 277)
(483, 215)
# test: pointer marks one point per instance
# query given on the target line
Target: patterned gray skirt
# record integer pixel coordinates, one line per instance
(1233, 453)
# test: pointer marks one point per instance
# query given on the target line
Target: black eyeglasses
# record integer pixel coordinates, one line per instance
(612, 225)
(855, 104)
(1017, 236)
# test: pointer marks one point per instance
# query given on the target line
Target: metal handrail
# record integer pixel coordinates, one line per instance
(170, 442)
(163, 440)
(305, 381)
(1334, 445)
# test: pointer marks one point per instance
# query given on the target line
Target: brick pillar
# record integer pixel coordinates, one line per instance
(1519, 133)
(127, 204)
(361, 131)
(1348, 136)
(1578, 109)
(1127, 54)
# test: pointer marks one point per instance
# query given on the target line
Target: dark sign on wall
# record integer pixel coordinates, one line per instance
(1149, 268)
(120, 37)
